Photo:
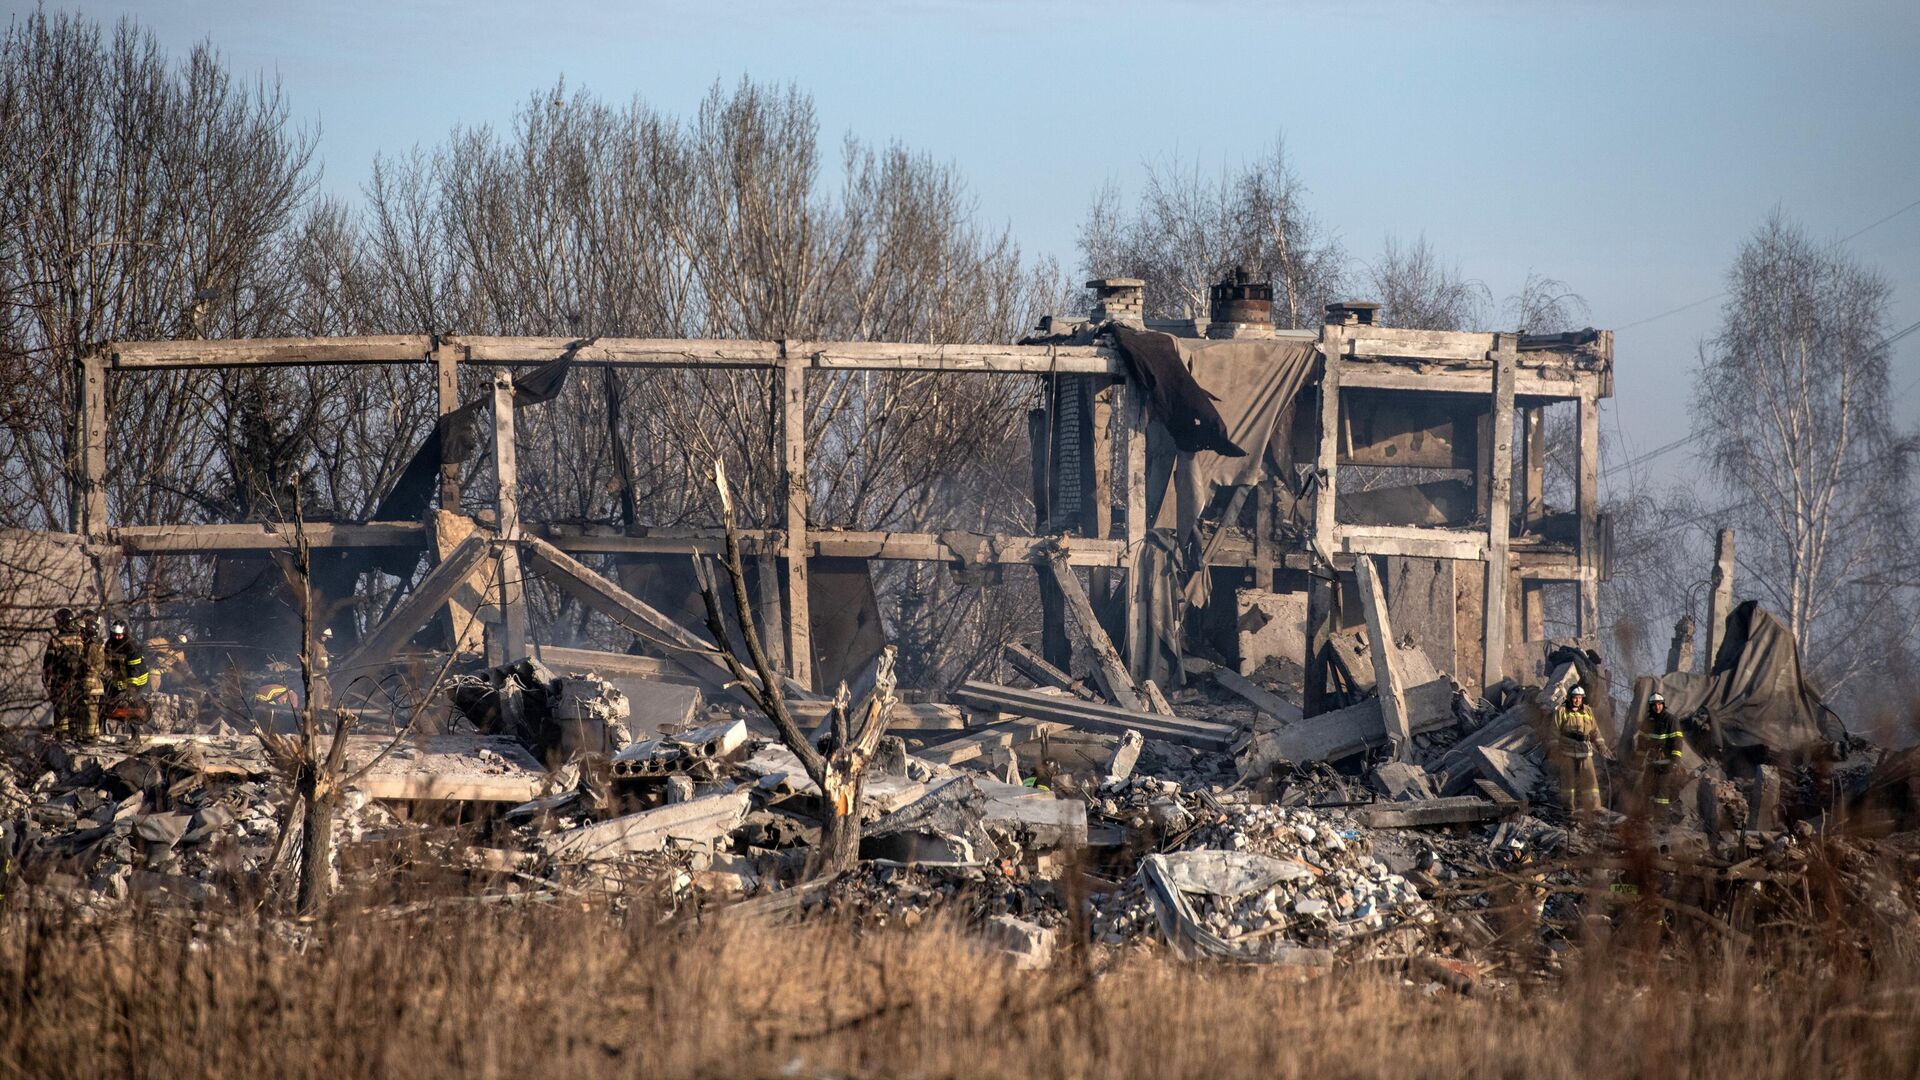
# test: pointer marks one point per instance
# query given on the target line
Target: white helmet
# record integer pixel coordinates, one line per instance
(1656, 699)
(1578, 691)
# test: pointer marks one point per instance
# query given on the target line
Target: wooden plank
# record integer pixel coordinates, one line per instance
(1027, 359)
(264, 536)
(1588, 497)
(252, 352)
(793, 428)
(826, 355)
(1420, 344)
(1409, 540)
(90, 501)
(1108, 670)
(1720, 603)
(1465, 379)
(1092, 716)
(1493, 656)
(1386, 673)
(446, 365)
(1343, 733)
(1035, 667)
(906, 546)
(623, 352)
(426, 599)
(513, 605)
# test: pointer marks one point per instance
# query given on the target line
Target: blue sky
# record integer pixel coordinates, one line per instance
(1624, 147)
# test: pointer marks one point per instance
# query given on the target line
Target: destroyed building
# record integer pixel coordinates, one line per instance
(1302, 595)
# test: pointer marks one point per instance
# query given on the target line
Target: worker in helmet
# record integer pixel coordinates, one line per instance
(1661, 744)
(64, 674)
(1577, 730)
(126, 662)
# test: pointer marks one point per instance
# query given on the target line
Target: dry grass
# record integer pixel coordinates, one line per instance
(540, 993)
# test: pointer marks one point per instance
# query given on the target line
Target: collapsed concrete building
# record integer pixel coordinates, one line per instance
(1222, 486)
(1308, 602)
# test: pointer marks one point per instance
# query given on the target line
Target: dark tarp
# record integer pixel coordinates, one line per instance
(1217, 406)
(1755, 703)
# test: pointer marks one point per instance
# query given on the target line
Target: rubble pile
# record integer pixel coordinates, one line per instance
(1419, 850)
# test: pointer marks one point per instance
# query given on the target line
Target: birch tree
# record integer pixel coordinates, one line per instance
(1792, 401)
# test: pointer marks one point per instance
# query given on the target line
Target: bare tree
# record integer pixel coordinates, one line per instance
(1793, 403)
(1415, 289)
(1187, 231)
(840, 769)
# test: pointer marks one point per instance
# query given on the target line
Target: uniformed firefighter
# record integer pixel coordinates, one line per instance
(70, 674)
(1579, 782)
(126, 662)
(1661, 745)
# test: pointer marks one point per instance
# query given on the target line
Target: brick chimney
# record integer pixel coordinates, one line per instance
(1121, 299)
(1241, 307)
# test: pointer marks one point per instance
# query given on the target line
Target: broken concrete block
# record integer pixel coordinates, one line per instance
(679, 753)
(1402, 781)
(208, 821)
(1029, 944)
(1346, 732)
(679, 789)
(1125, 755)
(699, 822)
(164, 829)
(1514, 774)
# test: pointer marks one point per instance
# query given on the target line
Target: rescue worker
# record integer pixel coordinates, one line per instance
(63, 672)
(1579, 782)
(1661, 744)
(126, 663)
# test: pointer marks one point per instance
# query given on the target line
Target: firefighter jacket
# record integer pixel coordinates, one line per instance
(126, 666)
(1661, 738)
(63, 669)
(1577, 730)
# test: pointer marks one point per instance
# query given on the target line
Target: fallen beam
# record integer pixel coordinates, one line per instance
(692, 652)
(1355, 729)
(421, 605)
(616, 665)
(697, 822)
(1463, 810)
(1035, 668)
(1242, 687)
(984, 742)
(1108, 669)
(1093, 716)
(1386, 675)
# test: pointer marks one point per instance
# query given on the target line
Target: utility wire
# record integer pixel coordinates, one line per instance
(1862, 231)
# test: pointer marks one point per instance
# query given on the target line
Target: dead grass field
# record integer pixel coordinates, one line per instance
(492, 993)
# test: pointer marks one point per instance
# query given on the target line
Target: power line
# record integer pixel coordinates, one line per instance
(1862, 231)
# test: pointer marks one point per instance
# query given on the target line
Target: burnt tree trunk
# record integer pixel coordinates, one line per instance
(317, 803)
